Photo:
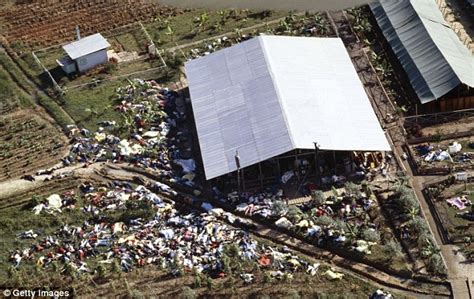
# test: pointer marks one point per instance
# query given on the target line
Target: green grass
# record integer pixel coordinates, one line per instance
(18, 219)
(98, 98)
(126, 42)
(457, 227)
(184, 28)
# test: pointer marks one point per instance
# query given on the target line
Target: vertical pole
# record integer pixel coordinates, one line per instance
(334, 160)
(238, 180)
(297, 170)
(237, 163)
(260, 174)
(243, 180)
(278, 168)
(316, 159)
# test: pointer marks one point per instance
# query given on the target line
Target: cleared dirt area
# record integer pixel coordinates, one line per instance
(462, 125)
(45, 23)
(28, 143)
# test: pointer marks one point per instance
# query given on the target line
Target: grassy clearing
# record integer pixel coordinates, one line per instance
(200, 24)
(90, 104)
(98, 100)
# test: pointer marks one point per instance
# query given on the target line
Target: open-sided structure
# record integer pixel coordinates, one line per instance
(273, 94)
(430, 52)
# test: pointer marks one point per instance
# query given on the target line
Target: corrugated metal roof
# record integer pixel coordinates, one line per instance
(86, 45)
(429, 50)
(272, 94)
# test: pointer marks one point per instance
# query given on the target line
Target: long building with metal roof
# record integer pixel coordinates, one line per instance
(430, 52)
(274, 94)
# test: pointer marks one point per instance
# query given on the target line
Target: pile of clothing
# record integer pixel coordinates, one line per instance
(157, 134)
(189, 241)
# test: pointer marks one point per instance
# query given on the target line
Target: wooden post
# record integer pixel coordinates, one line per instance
(296, 167)
(316, 160)
(260, 174)
(278, 167)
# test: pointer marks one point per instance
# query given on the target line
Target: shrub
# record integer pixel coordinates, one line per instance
(435, 265)
(371, 235)
(351, 189)
(418, 225)
(392, 249)
(318, 197)
(279, 208)
(187, 293)
(324, 220)
(294, 214)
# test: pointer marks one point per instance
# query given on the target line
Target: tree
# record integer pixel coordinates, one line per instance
(412, 212)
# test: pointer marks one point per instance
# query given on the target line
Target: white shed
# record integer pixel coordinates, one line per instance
(84, 54)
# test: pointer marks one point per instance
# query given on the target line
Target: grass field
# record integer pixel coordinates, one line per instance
(201, 24)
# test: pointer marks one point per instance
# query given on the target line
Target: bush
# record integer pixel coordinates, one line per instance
(137, 209)
(293, 294)
(371, 235)
(436, 265)
(324, 220)
(294, 214)
(279, 208)
(392, 249)
(351, 189)
(418, 225)
(318, 197)
(187, 293)
(197, 281)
